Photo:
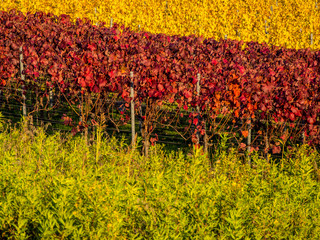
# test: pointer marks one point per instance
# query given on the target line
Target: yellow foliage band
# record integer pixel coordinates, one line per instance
(288, 23)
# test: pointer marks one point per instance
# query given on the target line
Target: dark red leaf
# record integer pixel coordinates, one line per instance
(276, 149)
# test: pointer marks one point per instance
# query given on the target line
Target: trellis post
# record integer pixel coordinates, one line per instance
(303, 134)
(198, 108)
(266, 32)
(267, 141)
(249, 141)
(81, 107)
(111, 22)
(205, 137)
(50, 97)
(23, 78)
(95, 16)
(133, 130)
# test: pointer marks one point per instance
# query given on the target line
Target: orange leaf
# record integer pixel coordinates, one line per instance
(245, 133)
(236, 113)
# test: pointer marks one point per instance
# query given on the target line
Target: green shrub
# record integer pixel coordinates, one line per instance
(53, 188)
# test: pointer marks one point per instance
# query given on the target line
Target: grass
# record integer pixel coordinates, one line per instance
(58, 187)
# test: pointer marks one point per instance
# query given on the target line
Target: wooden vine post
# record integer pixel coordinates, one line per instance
(50, 102)
(133, 130)
(303, 134)
(81, 107)
(266, 32)
(51, 97)
(198, 108)
(111, 22)
(141, 123)
(23, 78)
(95, 16)
(267, 142)
(249, 140)
(205, 137)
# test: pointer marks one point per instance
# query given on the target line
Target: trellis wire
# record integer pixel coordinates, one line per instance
(171, 137)
(132, 103)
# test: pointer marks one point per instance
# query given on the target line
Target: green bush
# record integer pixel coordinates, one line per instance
(58, 187)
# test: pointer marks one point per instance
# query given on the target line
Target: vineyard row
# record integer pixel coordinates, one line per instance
(247, 81)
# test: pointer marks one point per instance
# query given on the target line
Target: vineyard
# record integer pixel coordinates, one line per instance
(287, 23)
(159, 119)
(265, 96)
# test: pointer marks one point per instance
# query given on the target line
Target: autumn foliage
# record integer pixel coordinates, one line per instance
(245, 80)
